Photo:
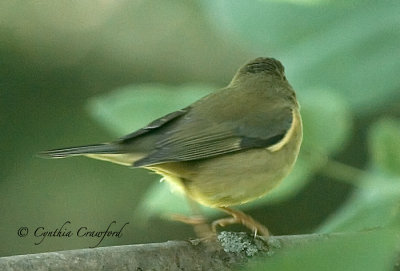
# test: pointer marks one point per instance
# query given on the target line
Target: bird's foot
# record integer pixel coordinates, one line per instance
(239, 217)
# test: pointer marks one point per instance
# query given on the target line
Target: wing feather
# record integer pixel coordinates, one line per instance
(201, 138)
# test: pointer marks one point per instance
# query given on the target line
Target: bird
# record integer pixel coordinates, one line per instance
(230, 147)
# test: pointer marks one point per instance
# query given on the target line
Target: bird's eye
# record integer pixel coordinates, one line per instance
(284, 78)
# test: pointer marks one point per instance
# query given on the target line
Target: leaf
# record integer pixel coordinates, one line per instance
(306, 2)
(374, 250)
(130, 108)
(327, 120)
(351, 47)
(384, 144)
(376, 202)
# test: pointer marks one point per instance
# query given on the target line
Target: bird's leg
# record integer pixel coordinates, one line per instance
(191, 220)
(197, 220)
(199, 223)
(239, 217)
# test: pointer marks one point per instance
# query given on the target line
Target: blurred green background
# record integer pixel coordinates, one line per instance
(74, 73)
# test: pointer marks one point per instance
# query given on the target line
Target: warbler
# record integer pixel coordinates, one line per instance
(228, 148)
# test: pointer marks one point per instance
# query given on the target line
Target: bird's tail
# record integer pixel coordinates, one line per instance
(82, 150)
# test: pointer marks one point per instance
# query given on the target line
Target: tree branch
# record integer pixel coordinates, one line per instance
(232, 250)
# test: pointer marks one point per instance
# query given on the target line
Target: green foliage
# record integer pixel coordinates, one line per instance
(366, 251)
(349, 46)
(319, 107)
(376, 202)
(384, 143)
(130, 108)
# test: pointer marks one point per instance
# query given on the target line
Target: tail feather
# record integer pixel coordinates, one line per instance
(81, 150)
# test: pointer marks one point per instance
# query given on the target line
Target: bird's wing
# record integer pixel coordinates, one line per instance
(154, 125)
(193, 138)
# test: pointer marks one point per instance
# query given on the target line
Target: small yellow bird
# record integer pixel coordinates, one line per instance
(230, 147)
